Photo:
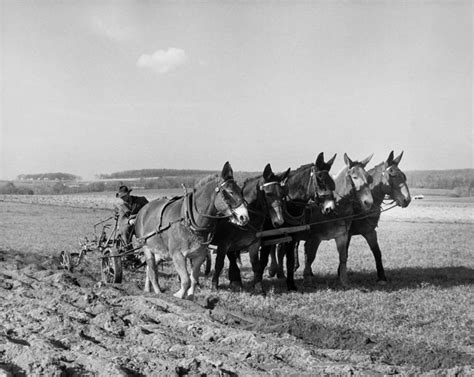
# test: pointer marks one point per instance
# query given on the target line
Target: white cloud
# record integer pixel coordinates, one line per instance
(163, 61)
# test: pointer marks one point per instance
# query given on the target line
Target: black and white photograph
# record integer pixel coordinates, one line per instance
(236, 188)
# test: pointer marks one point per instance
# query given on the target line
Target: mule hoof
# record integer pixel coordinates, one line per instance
(179, 294)
(292, 287)
(236, 285)
(258, 289)
(308, 274)
(281, 275)
(214, 287)
(190, 297)
(344, 285)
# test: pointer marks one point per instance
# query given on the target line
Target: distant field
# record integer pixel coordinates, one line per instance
(432, 208)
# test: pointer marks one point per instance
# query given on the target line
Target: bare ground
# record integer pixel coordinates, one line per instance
(58, 323)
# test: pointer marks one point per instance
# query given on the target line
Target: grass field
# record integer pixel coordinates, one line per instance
(423, 319)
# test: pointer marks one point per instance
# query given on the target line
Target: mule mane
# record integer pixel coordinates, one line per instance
(247, 180)
(303, 167)
(376, 172)
(204, 181)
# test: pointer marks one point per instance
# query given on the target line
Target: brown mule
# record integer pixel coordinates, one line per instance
(183, 227)
(388, 180)
(352, 191)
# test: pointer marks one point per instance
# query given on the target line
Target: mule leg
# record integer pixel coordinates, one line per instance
(281, 252)
(310, 248)
(342, 245)
(208, 263)
(180, 264)
(255, 261)
(151, 271)
(196, 269)
(238, 259)
(371, 238)
(296, 255)
(290, 266)
(273, 269)
(218, 266)
(264, 254)
(234, 270)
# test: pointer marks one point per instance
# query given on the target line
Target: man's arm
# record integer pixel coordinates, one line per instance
(122, 210)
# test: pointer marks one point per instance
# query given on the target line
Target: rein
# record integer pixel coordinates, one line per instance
(355, 216)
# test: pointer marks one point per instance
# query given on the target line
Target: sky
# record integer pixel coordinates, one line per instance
(92, 87)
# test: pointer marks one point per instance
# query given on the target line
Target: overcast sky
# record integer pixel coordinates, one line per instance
(91, 87)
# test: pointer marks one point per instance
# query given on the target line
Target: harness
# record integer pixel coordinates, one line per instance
(206, 233)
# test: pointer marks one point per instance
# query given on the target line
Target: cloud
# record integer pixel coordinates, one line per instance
(163, 61)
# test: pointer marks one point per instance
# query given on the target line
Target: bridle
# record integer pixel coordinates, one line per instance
(275, 202)
(220, 189)
(392, 173)
(318, 194)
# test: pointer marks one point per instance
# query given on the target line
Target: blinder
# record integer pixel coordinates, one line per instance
(229, 199)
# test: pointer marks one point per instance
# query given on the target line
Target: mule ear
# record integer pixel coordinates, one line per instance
(331, 161)
(390, 159)
(320, 161)
(347, 160)
(365, 161)
(267, 172)
(284, 177)
(396, 160)
(227, 172)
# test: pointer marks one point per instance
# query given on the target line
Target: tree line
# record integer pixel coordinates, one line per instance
(460, 182)
(48, 177)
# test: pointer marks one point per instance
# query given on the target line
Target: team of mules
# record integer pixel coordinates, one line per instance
(269, 211)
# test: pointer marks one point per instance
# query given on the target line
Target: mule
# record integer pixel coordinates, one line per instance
(264, 195)
(296, 214)
(352, 188)
(388, 180)
(309, 183)
(182, 227)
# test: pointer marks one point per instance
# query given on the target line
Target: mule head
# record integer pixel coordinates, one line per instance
(273, 190)
(324, 184)
(360, 181)
(229, 200)
(396, 181)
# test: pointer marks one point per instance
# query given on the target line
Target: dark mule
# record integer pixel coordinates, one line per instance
(388, 180)
(298, 213)
(352, 188)
(182, 227)
(309, 183)
(264, 195)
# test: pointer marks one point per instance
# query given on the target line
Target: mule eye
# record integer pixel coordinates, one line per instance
(370, 179)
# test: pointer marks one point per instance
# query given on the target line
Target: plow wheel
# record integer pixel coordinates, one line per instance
(65, 260)
(111, 266)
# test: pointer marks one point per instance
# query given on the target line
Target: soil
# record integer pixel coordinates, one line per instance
(59, 323)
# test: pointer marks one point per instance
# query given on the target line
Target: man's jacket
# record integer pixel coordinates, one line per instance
(131, 208)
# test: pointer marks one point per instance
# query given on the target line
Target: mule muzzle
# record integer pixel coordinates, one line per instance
(328, 207)
(240, 216)
(276, 215)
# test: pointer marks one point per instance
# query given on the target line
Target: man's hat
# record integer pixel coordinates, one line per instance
(122, 191)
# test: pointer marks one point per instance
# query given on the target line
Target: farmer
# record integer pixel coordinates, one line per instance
(126, 212)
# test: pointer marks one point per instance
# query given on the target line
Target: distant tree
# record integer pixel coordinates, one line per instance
(49, 176)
